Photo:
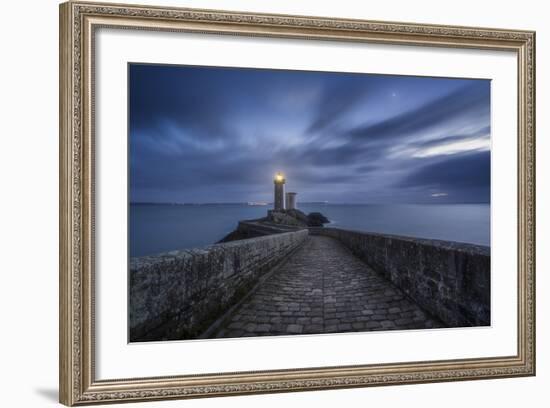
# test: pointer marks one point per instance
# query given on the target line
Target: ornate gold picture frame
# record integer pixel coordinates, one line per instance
(78, 24)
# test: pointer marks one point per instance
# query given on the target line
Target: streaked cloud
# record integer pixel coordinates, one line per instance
(454, 147)
(218, 134)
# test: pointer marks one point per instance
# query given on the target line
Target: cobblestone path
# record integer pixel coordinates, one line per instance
(324, 288)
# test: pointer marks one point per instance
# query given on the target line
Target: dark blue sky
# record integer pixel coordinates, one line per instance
(206, 134)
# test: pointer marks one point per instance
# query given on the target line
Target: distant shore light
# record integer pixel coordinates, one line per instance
(279, 177)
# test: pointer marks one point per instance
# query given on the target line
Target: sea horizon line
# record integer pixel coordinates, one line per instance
(265, 204)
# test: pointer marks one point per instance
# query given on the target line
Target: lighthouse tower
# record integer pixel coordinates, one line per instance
(290, 201)
(279, 199)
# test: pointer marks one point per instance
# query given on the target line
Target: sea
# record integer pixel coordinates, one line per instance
(156, 228)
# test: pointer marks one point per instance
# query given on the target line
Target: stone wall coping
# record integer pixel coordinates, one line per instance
(169, 256)
(443, 244)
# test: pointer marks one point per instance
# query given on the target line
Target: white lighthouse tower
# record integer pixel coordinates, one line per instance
(290, 201)
(279, 198)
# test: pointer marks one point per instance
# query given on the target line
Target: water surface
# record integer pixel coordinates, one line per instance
(156, 228)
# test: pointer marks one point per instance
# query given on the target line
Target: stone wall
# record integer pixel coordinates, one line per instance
(448, 279)
(256, 228)
(178, 294)
(261, 228)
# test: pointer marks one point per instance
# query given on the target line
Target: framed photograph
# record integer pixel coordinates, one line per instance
(256, 203)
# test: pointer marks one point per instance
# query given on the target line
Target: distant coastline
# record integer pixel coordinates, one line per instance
(263, 203)
(249, 203)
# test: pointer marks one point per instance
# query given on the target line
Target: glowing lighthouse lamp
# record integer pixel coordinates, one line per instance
(279, 201)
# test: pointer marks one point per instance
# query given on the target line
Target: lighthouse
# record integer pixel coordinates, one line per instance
(279, 198)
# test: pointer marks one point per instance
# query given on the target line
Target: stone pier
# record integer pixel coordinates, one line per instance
(284, 280)
(324, 288)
